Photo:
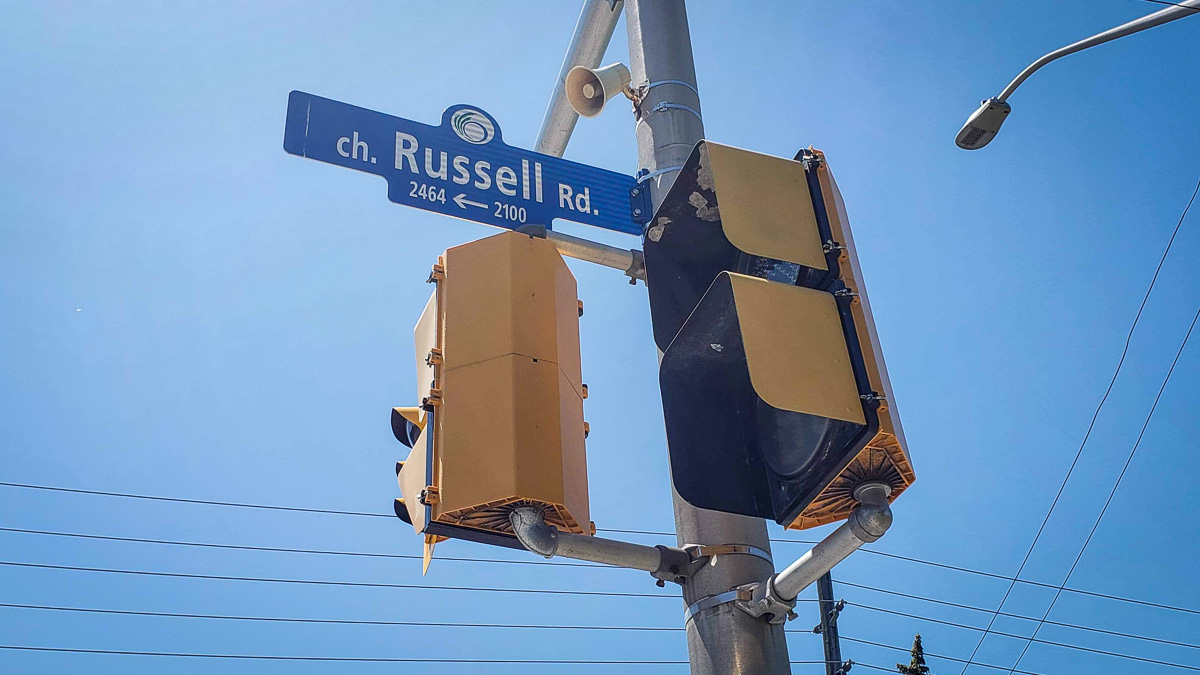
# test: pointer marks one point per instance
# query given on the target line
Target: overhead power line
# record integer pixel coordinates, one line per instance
(280, 549)
(1171, 4)
(885, 554)
(401, 556)
(936, 656)
(1117, 484)
(354, 622)
(356, 659)
(1074, 626)
(1064, 645)
(448, 624)
(543, 562)
(367, 659)
(320, 582)
(485, 589)
(1087, 434)
(209, 502)
(984, 609)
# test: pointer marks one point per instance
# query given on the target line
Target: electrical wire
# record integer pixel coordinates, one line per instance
(1004, 614)
(364, 659)
(438, 624)
(967, 570)
(446, 624)
(1172, 4)
(356, 659)
(280, 549)
(537, 562)
(1045, 642)
(956, 604)
(320, 582)
(486, 589)
(931, 654)
(196, 501)
(353, 622)
(1091, 425)
(1117, 484)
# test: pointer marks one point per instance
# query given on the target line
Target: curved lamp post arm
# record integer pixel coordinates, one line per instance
(983, 125)
(1184, 8)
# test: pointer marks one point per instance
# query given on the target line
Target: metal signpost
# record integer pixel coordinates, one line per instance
(462, 168)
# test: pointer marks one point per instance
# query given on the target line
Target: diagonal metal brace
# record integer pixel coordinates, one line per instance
(774, 598)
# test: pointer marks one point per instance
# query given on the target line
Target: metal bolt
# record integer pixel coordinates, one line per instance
(635, 192)
(637, 212)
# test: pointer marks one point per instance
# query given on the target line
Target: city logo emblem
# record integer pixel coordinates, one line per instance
(473, 126)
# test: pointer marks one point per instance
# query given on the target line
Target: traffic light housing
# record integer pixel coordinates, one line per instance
(732, 210)
(499, 377)
(775, 394)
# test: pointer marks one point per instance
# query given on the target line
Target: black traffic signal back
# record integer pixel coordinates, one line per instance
(774, 390)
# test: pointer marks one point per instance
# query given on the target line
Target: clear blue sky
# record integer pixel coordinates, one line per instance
(189, 311)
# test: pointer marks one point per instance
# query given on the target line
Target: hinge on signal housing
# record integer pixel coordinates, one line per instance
(433, 399)
(437, 273)
(429, 496)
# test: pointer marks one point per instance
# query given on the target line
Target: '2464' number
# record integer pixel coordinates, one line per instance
(423, 191)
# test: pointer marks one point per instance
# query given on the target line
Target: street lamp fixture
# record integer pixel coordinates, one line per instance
(983, 125)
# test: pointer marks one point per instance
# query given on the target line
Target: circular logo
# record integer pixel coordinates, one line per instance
(473, 126)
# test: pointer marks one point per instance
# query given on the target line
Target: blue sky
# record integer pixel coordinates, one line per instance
(191, 312)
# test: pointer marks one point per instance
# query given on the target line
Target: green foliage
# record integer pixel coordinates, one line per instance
(916, 665)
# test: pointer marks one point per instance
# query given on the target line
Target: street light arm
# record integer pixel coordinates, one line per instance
(1184, 8)
(983, 124)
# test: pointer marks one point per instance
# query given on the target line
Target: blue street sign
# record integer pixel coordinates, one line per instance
(462, 168)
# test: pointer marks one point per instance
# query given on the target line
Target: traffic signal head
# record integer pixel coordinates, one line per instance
(737, 211)
(501, 422)
(759, 393)
(406, 425)
(774, 391)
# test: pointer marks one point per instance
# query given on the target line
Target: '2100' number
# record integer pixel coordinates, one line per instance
(509, 212)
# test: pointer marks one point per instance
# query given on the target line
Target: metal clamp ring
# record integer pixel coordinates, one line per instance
(650, 85)
(658, 172)
(730, 549)
(707, 603)
(660, 107)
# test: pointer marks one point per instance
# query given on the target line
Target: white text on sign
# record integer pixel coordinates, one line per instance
(480, 175)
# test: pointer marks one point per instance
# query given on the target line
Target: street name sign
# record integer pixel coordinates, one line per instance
(463, 167)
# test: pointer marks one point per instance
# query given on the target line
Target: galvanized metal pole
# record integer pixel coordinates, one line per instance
(590, 40)
(593, 32)
(722, 639)
(829, 629)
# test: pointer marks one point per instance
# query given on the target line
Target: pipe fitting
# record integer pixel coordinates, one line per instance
(873, 517)
(869, 522)
(529, 524)
(761, 599)
(664, 563)
(866, 524)
(675, 564)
